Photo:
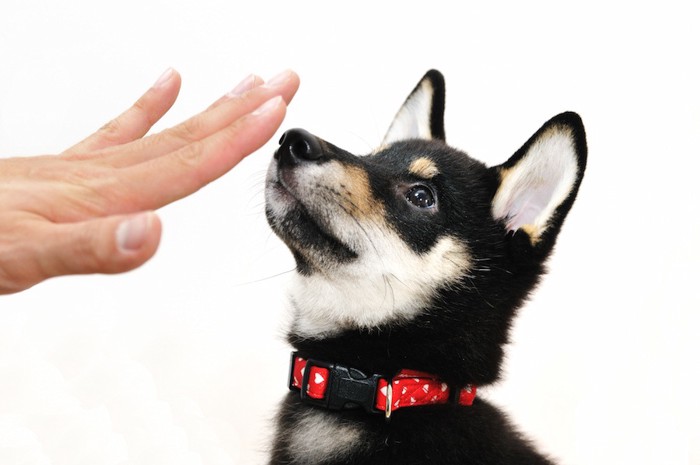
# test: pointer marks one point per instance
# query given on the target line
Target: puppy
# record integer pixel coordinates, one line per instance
(411, 263)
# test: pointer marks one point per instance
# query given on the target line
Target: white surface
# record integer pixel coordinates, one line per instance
(146, 367)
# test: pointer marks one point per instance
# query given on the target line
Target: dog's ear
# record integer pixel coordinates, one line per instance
(538, 184)
(422, 114)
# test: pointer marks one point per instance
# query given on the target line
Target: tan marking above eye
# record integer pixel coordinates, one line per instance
(423, 168)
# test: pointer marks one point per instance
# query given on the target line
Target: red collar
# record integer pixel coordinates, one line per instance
(336, 387)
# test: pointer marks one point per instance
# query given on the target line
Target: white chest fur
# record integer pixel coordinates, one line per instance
(318, 436)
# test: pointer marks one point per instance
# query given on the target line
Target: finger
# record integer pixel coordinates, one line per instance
(207, 123)
(111, 244)
(135, 122)
(241, 88)
(187, 170)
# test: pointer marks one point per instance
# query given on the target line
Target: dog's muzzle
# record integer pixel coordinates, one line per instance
(298, 146)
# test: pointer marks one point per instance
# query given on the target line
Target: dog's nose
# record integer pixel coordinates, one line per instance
(297, 145)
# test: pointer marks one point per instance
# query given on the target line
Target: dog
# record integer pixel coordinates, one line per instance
(410, 265)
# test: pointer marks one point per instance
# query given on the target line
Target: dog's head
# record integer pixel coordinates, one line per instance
(417, 237)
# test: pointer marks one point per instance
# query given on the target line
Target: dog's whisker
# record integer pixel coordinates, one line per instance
(389, 289)
(266, 278)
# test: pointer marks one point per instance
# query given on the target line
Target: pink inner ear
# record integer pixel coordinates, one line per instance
(525, 208)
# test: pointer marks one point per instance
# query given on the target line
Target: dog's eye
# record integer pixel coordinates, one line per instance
(421, 197)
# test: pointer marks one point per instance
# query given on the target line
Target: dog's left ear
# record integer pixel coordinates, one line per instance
(422, 114)
(538, 184)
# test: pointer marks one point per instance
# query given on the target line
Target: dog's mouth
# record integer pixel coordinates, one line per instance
(306, 234)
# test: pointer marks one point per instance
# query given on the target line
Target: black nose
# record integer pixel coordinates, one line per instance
(297, 145)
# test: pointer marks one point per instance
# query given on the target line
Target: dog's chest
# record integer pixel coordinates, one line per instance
(315, 436)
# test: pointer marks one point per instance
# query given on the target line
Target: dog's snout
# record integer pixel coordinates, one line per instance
(297, 145)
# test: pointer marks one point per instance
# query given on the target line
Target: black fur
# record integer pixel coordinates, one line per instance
(437, 111)
(478, 435)
(461, 336)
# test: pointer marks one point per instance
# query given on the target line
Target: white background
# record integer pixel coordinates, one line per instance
(182, 361)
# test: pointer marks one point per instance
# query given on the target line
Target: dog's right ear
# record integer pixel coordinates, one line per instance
(538, 184)
(422, 114)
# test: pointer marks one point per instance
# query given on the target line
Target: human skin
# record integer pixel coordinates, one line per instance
(90, 209)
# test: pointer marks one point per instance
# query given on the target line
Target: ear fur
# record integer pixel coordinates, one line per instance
(539, 182)
(422, 114)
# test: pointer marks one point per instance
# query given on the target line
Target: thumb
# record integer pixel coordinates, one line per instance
(112, 244)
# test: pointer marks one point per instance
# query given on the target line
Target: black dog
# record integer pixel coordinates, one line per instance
(411, 263)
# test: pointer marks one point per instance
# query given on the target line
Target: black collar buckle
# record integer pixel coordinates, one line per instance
(346, 388)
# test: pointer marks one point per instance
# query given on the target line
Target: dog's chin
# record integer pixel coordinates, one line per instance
(314, 247)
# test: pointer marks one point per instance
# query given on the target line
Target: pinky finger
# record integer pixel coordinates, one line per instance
(185, 171)
(135, 122)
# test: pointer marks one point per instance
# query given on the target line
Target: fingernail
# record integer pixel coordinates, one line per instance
(164, 78)
(133, 232)
(268, 106)
(245, 85)
(278, 80)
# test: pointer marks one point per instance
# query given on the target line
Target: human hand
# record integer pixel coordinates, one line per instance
(90, 208)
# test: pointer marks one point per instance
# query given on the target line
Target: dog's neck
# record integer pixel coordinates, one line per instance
(388, 350)
(377, 288)
(338, 387)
